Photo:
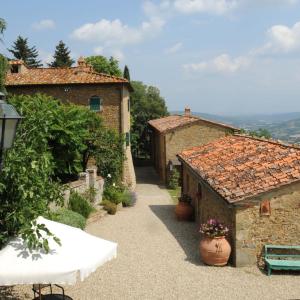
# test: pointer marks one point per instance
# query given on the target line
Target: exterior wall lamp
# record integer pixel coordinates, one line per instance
(9, 119)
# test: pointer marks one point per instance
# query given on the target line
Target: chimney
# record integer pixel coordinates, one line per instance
(17, 66)
(83, 66)
(187, 112)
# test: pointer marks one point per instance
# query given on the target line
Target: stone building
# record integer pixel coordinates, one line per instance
(106, 95)
(250, 184)
(171, 135)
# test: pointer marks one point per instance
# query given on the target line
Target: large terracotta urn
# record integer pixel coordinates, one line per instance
(215, 251)
(184, 211)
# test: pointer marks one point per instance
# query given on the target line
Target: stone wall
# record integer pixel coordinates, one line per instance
(80, 94)
(208, 204)
(115, 113)
(281, 227)
(197, 134)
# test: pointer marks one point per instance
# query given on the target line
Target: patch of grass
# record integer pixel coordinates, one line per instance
(175, 194)
(69, 217)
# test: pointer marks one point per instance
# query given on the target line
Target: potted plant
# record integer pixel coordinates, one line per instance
(184, 210)
(214, 248)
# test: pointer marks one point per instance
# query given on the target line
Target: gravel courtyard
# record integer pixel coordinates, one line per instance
(158, 259)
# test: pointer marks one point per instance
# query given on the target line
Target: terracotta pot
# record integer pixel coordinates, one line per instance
(215, 251)
(184, 211)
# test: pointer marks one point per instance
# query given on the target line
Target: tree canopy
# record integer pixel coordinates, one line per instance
(103, 65)
(21, 50)
(61, 56)
(146, 104)
(2, 27)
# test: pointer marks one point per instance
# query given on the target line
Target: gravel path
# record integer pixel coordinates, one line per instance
(158, 259)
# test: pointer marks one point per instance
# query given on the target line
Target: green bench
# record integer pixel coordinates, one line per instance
(279, 257)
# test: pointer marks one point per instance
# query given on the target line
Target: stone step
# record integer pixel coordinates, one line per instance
(96, 216)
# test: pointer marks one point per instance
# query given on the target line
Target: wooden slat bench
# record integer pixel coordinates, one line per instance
(278, 257)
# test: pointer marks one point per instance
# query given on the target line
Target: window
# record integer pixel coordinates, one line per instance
(265, 208)
(95, 103)
(14, 69)
(127, 139)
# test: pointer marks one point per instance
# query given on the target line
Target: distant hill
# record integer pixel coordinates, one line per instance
(285, 126)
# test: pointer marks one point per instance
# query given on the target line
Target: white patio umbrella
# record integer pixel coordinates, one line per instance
(80, 254)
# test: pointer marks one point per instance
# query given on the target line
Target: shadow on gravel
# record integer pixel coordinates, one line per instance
(185, 232)
(147, 175)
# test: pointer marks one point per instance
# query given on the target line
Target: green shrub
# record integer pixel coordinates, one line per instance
(173, 180)
(127, 199)
(80, 205)
(69, 217)
(110, 207)
(113, 194)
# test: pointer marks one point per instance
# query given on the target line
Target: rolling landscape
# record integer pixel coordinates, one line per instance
(284, 127)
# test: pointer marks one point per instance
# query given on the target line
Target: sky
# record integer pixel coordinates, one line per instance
(223, 57)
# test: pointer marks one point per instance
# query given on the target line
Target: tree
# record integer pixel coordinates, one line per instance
(3, 60)
(146, 104)
(21, 50)
(126, 73)
(103, 65)
(61, 56)
(2, 27)
(260, 133)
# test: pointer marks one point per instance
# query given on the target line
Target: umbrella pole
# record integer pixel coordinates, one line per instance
(40, 292)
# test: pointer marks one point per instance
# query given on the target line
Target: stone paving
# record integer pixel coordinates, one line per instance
(158, 259)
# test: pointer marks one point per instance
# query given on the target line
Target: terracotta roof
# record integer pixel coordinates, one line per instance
(81, 74)
(238, 167)
(176, 121)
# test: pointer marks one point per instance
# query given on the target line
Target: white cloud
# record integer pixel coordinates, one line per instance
(43, 25)
(220, 64)
(173, 49)
(99, 50)
(45, 56)
(115, 33)
(218, 7)
(280, 39)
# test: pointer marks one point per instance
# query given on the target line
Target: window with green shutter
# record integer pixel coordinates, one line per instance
(95, 103)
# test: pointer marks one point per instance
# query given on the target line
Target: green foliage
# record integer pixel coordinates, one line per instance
(146, 104)
(69, 217)
(108, 153)
(61, 56)
(126, 73)
(29, 55)
(26, 185)
(260, 133)
(127, 199)
(103, 65)
(3, 69)
(110, 207)
(113, 194)
(80, 205)
(173, 179)
(2, 26)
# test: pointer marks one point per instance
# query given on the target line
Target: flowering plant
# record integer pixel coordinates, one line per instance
(213, 228)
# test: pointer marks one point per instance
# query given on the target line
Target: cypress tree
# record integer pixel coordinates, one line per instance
(61, 56)
(126, 73)
(21, 50)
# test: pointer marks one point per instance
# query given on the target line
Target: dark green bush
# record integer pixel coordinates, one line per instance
(80, 205)
(69, 217)
(127, 199)
(173, 180)
(110, 207)
(113, 194)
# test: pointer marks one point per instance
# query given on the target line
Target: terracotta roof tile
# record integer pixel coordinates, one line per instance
(238, 167)
(81, 74)
(177, 121)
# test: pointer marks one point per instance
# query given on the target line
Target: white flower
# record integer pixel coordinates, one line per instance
(108, 175)
(114, 184)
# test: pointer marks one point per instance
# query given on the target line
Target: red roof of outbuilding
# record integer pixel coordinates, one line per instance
(238, 167)
(177, 121)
